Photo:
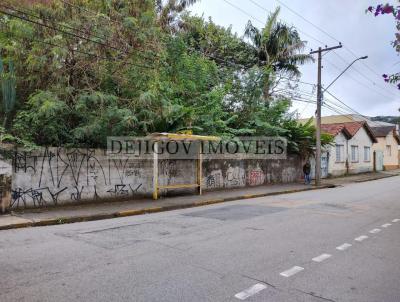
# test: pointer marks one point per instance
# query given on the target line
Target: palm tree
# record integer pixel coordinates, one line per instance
(168, 12)
(278, 49)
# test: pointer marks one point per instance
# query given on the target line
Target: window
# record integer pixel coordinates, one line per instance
(367, 154)
(354, 153)
(389, 150)
(339, 153)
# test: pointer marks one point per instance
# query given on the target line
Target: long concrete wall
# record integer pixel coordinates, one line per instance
(55, 176)
(223, 174)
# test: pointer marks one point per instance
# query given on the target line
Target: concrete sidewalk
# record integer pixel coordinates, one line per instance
(96, 211)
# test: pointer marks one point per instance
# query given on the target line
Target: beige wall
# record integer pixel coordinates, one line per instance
(337, 168)
(361, 139)
(390, 161)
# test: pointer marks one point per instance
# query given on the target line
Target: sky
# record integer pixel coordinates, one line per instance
(361, 87)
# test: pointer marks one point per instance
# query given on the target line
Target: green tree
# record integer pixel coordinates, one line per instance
(278, 49)
(86, 70)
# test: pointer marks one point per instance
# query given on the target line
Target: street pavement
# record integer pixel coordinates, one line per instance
(340, 244)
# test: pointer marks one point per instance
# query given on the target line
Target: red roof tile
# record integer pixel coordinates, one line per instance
(349, 129)
(332, 129)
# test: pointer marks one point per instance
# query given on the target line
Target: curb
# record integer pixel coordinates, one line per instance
(127, 213)
(377, 178)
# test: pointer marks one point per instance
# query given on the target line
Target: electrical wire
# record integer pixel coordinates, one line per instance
(137, 65)
(264, 9)
(332, 37)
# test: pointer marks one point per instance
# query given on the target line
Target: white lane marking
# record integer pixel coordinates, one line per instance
(250, 291)
(395, 220)
(321, 257)
(386, 225)
(290, 272)
(374, 231)
(343, 247)
(361, 238)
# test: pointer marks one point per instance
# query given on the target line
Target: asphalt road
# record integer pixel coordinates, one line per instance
(294, 247)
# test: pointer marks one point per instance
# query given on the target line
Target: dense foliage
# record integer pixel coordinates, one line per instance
(86, 70)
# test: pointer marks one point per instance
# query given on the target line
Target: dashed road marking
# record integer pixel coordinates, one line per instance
(250, 291)
(374, 231)
(321, 257)
(290, 272)
(395, 220)
(361, 238)
(343, 247)
(386, 225)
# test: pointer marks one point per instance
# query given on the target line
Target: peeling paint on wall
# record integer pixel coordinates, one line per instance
(55, 176)
(220, 174)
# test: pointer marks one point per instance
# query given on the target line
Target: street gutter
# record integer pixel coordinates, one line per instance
(150, 210)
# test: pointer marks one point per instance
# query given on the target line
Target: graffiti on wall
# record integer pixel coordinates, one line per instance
(215, 180)
(256, 176)
(55, 174)
(236, 174)
(233, 177)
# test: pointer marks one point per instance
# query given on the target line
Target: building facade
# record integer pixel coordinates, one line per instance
(352, 150)
(388, 142)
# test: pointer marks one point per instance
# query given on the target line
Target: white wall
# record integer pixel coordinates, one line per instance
(360, 139)
(337, 168)
(55, 176)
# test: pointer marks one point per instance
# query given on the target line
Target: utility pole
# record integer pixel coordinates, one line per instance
(318, 117)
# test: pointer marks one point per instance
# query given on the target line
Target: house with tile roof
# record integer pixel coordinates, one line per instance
(346, 118)
(352, 151)
(386, 151)
(387, 146)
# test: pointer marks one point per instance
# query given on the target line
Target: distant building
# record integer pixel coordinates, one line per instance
(346, 118)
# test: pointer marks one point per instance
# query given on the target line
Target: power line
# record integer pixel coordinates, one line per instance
(341, 102)
(335, 110)
(358, 81)
(263, 23)
(313, 95)
(332, 95)
(327, 106)
(93, 13)
(78, 36)
(340, 109)
(60, 46)
(366, 119)
(93, 55)
(31, 14)
(244, 12)
(308, 21)
(330, 36)
(23, 18)
(86, 53)
(51, 27)
(364, 76)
